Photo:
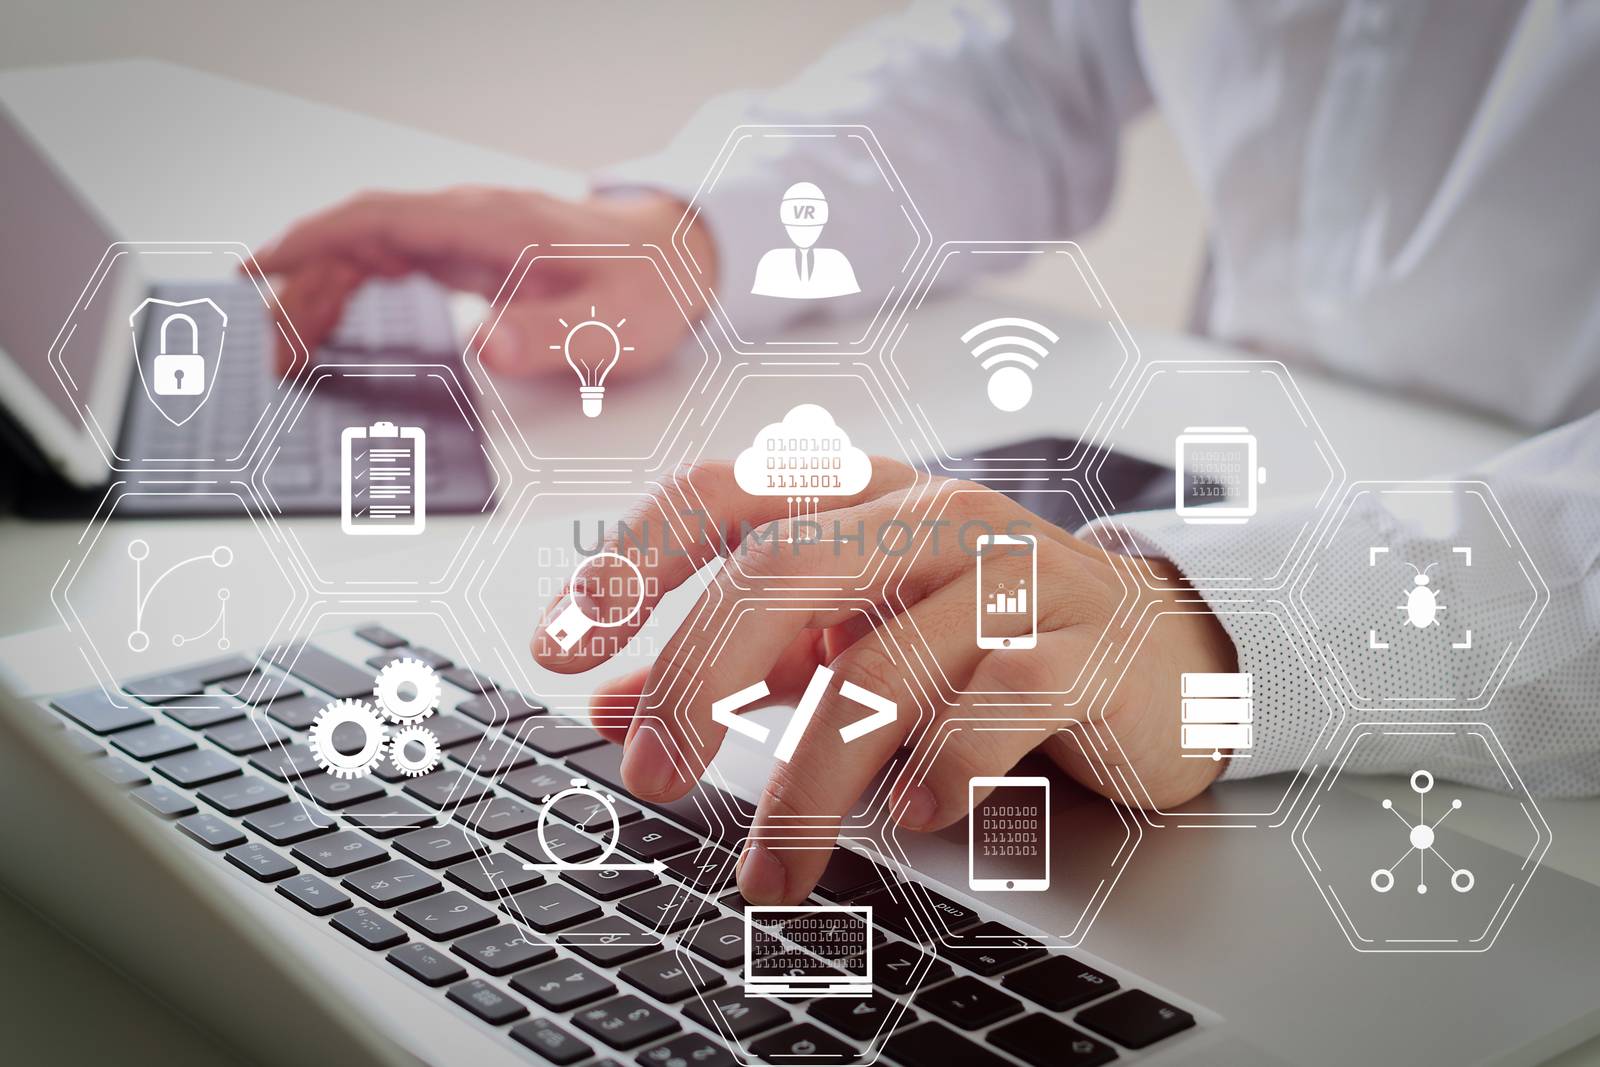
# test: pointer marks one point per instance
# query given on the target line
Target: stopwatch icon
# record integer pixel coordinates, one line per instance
(580, 787)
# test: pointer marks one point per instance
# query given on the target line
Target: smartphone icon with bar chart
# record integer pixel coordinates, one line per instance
(1008, 579)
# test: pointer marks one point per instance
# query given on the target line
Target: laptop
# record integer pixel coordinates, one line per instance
(404, 920)
(55, 243)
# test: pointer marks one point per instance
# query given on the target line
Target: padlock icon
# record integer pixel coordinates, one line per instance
(179, 373)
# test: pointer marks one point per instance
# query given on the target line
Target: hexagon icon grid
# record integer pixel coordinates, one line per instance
(459, 469)
(1320, 746)
(1007, 361)
(187, 588)
(577, 417)
(199, 310)
(1103, 837)
(1249, 457)
(1459, 596)
(761, 270)
(1400, 882)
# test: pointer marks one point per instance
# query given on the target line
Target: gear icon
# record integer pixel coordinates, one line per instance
(407, 690)
(353, 764)
(414, 735)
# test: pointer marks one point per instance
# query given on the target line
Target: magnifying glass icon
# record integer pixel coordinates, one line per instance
(572, 621)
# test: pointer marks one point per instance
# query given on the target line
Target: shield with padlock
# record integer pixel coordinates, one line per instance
(177, 347)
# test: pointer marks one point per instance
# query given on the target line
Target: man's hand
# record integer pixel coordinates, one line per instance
(469, 239)
(826, 776)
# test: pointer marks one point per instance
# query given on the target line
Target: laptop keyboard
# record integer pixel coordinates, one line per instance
(564, 963)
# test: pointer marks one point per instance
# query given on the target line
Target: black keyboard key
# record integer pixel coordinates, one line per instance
(437, 847)
(191, 770)
(610, 941)
(1045, 1042)
(502, 950)
(204, 712)
(848, 875)
(322, 671)
(667, 909)
(968, 1003)
(990, 948)
(1135, 1019)
(1060, 983)
(452, 730)
(288, 824)
(603, 765)
(862, 1018)
(653, 839)
(98, 713)
(562, 985)
(288, 763)
(261, 689)
(933, 1044)
(242, 737)
(669, 977)
(339, 853)
(535, 783)
(499, 707)
(499, 817)
(708, 869)
(165, 802)
(427, 964)
(591, 814)
(551, 1042)
(558, 842)
(559, 737)
(160, 688)
(625, 1022)
(446, 788)
(368, 928)
(297, 713)
(436, 660)
(332, 793)
(263, 864)
(392, 883)
(388, 815)
(213, 671)
(493, 876)
(802, 1043)
(685, 1049)
(121, 772)
(152, 742)
(493, 758)
(551, 907)
(381, 636)
(612, 883)
(446, 916)
(210, 831)
(721, 941)
(466, 678)
(241, 796)
(730, 1011)
(313, 894)
(897, 968)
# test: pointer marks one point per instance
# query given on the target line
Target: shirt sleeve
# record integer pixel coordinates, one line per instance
(1002, 118)
(1546, 711)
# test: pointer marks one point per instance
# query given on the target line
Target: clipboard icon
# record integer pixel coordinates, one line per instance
(383, 479)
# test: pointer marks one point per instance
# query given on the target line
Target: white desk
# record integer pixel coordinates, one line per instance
(273, 157)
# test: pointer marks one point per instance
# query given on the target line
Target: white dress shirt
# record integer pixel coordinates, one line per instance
(1400, 191)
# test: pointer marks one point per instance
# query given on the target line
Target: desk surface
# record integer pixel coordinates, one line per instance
(311, 165)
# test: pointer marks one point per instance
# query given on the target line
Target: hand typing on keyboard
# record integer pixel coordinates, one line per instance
(937, 587)
(469, 239)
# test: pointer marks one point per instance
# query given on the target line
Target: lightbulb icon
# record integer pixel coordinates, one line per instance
(592, 348)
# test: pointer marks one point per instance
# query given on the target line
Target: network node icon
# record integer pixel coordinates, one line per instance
(1421, 838)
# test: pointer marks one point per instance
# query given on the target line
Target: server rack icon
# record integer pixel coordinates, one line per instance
(1216, 715)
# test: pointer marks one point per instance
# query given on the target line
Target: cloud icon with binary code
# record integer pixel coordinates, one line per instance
(806, 454)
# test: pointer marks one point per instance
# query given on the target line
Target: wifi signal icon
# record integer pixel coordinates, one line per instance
(1009, 354)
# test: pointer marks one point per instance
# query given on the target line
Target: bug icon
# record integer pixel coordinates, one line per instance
(1422, 605)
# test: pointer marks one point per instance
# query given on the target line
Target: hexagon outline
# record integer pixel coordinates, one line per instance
(1128, 402)
(262, 429)
(1502, 521)
(1083, 445)
(1541, 845)
(656, 257)
(893, 301)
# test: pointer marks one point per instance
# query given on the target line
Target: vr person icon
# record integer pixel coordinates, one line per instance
(804, 272)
